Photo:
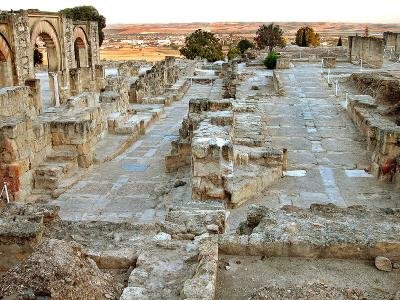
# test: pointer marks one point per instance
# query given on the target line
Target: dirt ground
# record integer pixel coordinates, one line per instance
(128, 53)
(238, 277)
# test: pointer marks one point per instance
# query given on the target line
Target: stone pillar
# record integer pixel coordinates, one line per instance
(22, 47)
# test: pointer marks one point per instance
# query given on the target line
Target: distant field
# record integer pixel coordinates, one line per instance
(149, 53)
(245, 27)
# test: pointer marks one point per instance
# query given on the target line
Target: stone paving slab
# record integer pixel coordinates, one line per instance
(125, 189)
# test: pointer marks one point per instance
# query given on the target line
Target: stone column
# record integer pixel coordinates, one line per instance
(23, 48)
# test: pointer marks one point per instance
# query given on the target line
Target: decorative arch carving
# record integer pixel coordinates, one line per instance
(49, 35)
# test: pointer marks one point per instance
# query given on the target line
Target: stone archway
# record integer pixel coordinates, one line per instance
(48, 34)
(81, 47)
(6, 74)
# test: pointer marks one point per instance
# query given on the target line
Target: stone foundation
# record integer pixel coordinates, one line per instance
(382, 134)
(329, 62)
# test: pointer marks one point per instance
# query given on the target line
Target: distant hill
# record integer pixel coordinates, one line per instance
(246, 28)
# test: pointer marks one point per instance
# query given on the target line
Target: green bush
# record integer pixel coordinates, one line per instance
(270, 60)
(233, 53)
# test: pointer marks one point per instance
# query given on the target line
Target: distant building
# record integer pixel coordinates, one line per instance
(166, 42)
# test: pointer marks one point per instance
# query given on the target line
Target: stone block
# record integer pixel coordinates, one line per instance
(329, 62)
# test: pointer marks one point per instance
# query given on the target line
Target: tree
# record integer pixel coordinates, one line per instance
(202, 44)
(339, 42)
(87, 13)
(243, 45)
(306, 37)
(233, 53)
(37, 57)
(270, 36)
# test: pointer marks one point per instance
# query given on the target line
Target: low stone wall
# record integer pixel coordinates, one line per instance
(23, 146)
(155, 81)
(367, 49)
(283, 63)
(313, 54)
(79, 133)
(329, 62)
(203, 284)
(383, 137)
(381, 85)
(21, 231)
(17, 101)
(313, 233)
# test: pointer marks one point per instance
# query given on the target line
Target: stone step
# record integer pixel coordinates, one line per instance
(50, 175)
(48, 188)
(62, 156)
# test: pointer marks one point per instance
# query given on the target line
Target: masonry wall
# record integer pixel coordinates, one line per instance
(369, 49)
(392, 39)
(155, 81)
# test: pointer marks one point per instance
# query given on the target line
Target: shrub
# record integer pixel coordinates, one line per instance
(270, 60)
(233, 53)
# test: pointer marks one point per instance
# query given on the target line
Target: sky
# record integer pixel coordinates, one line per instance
(179, 11)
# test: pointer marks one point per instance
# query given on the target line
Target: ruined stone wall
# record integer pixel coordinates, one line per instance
(369, 49)
(392, 39)
(24, 144)
(17, 102)
(312, 53)
(155, 81)
(382, 134)
(381, 85)
(19, 28)
(79, 134)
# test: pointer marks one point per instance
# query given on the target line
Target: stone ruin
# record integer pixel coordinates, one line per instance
(45, 149)
(278, 184)
(377, 114)
(224, 140)
(369, 50)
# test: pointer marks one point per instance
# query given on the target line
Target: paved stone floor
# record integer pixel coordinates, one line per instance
(132, 186)
(327, 154)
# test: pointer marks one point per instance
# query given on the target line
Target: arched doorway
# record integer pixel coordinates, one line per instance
(6, 74)
(45, 39)
(81, 48)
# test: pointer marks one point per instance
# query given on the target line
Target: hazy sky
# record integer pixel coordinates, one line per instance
(163, 11)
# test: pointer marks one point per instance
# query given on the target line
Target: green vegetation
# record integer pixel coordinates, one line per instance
(233, 53)
(202, 44)
(243, 45)
(270, 36)
(339, 42)
(306, 37)
(270, 60)
(87, 13)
